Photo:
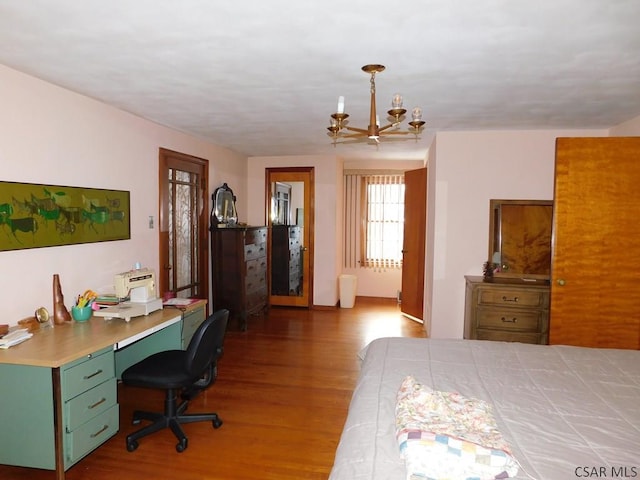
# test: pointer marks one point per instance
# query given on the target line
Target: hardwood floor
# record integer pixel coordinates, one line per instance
(282, 391)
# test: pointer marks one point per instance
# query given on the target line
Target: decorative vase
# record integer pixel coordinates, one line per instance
(60, 312)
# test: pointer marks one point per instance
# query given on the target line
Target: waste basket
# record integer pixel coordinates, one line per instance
(347, 290)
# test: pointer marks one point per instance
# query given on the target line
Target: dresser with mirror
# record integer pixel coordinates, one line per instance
(511, 301)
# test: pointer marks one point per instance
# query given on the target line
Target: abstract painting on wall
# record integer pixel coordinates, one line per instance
(34, 215)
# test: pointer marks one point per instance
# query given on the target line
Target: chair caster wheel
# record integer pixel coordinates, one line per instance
(217, 423)
(132, 445)
(181, 446)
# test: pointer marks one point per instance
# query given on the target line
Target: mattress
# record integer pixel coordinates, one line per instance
(567, 412)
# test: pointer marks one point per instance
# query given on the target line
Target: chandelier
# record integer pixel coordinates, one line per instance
(374, 132)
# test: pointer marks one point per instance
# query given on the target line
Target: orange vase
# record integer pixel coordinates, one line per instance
(60, 312)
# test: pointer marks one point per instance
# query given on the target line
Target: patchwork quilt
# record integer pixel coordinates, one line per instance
(446, 436)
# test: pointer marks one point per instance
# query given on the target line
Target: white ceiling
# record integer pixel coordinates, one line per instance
(262, 76)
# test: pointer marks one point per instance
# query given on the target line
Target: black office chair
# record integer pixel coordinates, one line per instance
(176, 371)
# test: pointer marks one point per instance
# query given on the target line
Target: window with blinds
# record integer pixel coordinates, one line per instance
(374, 219)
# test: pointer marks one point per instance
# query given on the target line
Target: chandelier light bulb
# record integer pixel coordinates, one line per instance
(396, 102)
(416, 114)
(340, 104)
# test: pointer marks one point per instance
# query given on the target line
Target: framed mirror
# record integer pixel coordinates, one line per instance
(223, 210)
(520, 238)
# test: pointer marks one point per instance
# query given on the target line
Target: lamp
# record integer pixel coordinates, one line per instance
(375, 131)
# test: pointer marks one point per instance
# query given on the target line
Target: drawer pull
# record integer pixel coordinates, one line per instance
(506, 299)
(510, 320)
(87, 377)
(104, 428)
(99, 402)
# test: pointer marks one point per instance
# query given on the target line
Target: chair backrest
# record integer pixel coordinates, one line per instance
(207, 342)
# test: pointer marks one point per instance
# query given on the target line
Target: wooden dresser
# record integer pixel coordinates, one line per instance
(510, 310)
(286, 261)
(239, 271)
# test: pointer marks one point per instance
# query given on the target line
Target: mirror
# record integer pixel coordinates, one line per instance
(223, 210)
(289, 214)
(520, 238)
(287, 238)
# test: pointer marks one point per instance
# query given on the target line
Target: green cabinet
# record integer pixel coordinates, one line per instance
(88, 399)
(89, 404)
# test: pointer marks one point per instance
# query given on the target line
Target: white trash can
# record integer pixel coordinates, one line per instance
(347, 290)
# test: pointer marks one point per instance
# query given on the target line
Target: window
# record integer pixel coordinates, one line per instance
(374, 219)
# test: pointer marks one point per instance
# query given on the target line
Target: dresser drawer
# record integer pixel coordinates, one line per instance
(294, 244)
(255, 250)
(91, 371)
(502, 336)
(255, 236)
(513, 297)
(257, 266)
(87, 405)
(256, 281)
(510, 319)
(90, 435)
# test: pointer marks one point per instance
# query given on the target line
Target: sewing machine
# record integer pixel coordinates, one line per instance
(140, 286)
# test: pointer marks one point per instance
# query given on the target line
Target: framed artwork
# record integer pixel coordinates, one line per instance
(35, 215)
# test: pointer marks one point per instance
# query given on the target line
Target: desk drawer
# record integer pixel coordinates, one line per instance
(509, 319)
(87, 374)
(84, 407)
(191, 322)
(90, 435)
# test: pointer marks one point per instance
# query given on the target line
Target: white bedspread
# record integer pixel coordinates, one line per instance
(566, 412)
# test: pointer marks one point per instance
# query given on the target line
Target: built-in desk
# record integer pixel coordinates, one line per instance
(58, 400)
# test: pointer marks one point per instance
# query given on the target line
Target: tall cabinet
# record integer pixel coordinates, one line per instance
(239, 271)
(595, 294)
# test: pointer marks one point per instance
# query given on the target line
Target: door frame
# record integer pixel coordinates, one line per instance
(294, 174)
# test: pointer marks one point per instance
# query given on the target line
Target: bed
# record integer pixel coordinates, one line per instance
(566, 412)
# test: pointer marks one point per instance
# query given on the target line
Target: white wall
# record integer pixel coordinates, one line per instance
(53, 136)
(325, 290)
(470, 169)
(630, 128)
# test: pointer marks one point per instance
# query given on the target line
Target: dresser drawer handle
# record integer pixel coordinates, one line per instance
(104, 427)
(87, 377)
(99, 402)
(505, 299)
(510, 320)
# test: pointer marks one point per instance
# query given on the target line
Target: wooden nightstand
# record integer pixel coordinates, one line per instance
(510, 310)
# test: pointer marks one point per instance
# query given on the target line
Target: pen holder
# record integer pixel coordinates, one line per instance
(81, 314)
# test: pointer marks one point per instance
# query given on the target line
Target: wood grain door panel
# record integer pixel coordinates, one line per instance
(595, 282)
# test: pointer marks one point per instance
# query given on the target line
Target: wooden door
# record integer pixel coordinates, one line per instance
(184, 216)
(595, 273)
(299, 211)
(413, 256)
